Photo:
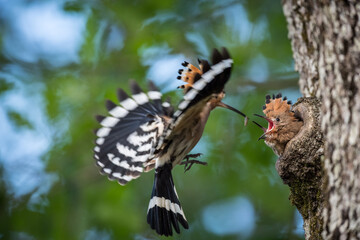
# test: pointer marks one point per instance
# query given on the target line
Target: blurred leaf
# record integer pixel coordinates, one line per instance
(5, 86)
(19, 120)
(72, 6)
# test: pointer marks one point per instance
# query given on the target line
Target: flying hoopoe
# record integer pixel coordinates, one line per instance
(144, 133)
(283, 124)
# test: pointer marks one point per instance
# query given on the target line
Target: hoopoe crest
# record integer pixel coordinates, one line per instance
(283, 124)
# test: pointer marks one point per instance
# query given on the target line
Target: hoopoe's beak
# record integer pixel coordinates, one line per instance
(221, 104)
(266, 130)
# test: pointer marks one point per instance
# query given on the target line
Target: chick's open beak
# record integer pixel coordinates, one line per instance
(266, 130)
(221, 104)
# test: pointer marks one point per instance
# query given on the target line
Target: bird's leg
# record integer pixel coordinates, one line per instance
(189, 162)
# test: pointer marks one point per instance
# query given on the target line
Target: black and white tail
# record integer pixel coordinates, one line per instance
(164, 210)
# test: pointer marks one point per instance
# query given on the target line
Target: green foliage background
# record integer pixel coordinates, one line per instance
(82, 204)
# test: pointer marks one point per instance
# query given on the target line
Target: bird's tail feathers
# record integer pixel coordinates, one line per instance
(164, 210)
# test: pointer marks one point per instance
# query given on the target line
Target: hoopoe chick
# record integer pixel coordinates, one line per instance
(283, 124)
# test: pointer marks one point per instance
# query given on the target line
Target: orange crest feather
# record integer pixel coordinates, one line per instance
(190, 74)
(276, 104)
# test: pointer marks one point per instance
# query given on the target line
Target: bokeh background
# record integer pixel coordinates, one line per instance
(61, 59)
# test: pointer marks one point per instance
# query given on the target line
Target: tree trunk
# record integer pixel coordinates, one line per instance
(325, 38)
(300, 166)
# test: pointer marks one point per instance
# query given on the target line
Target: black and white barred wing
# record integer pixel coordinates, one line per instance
(127, 139)
(207, 80)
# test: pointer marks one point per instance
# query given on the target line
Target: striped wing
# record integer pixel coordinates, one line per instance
(127, 139)
(212, 80)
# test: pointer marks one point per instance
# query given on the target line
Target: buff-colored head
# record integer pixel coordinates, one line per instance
(282, 122)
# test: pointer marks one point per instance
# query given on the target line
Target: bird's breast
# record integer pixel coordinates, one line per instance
(181, 142)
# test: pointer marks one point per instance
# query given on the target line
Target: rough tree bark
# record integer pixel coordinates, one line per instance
(300, 166)
(325, 38)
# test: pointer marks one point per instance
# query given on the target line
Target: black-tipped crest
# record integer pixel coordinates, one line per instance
(276, 104)
(189, 75)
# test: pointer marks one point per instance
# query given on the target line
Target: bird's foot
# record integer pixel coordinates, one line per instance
(189, 162)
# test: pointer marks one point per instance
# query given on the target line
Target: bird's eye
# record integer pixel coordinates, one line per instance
(278, 119)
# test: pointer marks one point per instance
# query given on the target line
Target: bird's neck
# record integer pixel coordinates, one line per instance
(205, 113)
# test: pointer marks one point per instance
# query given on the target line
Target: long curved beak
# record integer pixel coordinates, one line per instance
(221, 104)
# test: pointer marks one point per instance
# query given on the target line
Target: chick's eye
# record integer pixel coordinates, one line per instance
(278, 119)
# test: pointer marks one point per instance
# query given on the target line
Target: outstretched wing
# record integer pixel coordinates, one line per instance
(127, 139)
(202, 83)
